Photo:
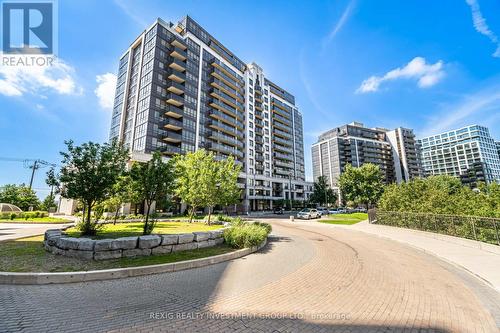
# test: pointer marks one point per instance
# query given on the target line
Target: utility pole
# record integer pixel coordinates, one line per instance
(33, 167)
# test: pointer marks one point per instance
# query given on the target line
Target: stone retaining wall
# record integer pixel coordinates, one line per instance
(56, 242)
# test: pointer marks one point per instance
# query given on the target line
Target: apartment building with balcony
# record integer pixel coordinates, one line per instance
(179, 90)
(469, 153)
(394, 151)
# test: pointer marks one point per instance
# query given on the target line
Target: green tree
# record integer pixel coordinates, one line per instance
(224, 190)
(153, 181)
(88, 174)
(362, 185)
(19, 195)
(322, 193)
(193, 177)
(124, 190)
(49, 202)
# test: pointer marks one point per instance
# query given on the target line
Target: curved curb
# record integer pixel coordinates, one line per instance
(119, 273)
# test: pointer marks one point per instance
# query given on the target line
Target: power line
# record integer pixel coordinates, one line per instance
(33, 164)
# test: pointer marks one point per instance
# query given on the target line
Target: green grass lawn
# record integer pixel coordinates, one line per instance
(54, 220)
(135, 229)
(28, 255)
(344, 218)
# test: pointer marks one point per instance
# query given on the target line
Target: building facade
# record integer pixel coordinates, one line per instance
(469, 153)
(393, 151)
(180, 90)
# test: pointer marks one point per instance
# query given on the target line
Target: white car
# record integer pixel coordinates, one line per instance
(308, 213)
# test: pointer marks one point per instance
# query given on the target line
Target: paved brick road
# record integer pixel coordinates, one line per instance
(309, 278)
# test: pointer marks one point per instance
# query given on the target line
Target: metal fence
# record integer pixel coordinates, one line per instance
(484, 229)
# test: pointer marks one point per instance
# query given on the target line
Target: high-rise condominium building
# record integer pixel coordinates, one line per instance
(179, 90)
(461, 152)
(393, 151)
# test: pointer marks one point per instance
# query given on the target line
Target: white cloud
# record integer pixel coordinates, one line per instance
(426, 75)
(481, 26)
(105, 91)
(480, 107)
(18, 80)
(340, 23)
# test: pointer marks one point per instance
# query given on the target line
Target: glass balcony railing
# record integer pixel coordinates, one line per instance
(175, 88)
(225, 128)
(174, 111)
(179, 53)
(214, 113)
(175, 100)
(173, 124)
(172, 137)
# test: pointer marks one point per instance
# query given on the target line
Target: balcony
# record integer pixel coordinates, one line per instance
(224, 149)
(281, 171)
(259, 139)
(175, 100)
(178, 44)
(281, 126)
(282, 114)
(171, 150)
(220, 126)
(259, 115)
(282, 134)
(282, 149)
(173, 111)
(220, 95)
(179, 53)
(227, 73)
(175, 88)
(258, 90)
(284, 164)
(229, 140)
(259, 166)
(216, 114)
(219, 84)
(217, 104)
(178, 65)
(259, 158)
(281, 141)
(172, 137)
(173, 124)
(176, 76)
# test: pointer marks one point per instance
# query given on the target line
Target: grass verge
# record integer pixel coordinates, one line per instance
(135, 229)
(28, 255)
(347, 219)
(36, 220)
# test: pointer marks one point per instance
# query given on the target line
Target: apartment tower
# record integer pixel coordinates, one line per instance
(179, 90)
(393, 151)
(469, 153)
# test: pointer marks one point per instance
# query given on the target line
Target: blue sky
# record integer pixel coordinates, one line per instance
(426, 65)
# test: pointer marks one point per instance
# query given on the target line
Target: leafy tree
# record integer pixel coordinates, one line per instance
(362, 185)
(223, 189)
(441, 195)
(193, 172)
(124, 190)
(322, 193)
(153, 181)
(19, 195)
(49, 202)
(202, 181)
(88, 174)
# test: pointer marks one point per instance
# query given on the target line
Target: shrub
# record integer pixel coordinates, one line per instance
(223, 218)
(242, 234)
(12, 216)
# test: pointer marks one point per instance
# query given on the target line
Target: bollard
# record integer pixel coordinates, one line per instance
(292, 218)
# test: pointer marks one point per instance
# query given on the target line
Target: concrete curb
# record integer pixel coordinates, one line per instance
(119, 273)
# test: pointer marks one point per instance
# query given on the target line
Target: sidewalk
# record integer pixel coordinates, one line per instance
(21, 230)
(480, 259)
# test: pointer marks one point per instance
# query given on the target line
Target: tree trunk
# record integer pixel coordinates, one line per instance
(192, 214)
(116, 214)
(146, 228)
(209, 214)
(86, 225)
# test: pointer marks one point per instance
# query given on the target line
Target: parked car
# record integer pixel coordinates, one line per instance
(279, 210)
(333, 211)
(308, 213)
(341, 210)
(323, 211)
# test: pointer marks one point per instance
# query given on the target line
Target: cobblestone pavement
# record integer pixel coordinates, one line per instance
(308, 279)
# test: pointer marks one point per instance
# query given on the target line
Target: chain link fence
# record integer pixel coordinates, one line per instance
(484, 229)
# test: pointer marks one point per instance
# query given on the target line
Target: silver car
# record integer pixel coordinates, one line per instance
(308, 213)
